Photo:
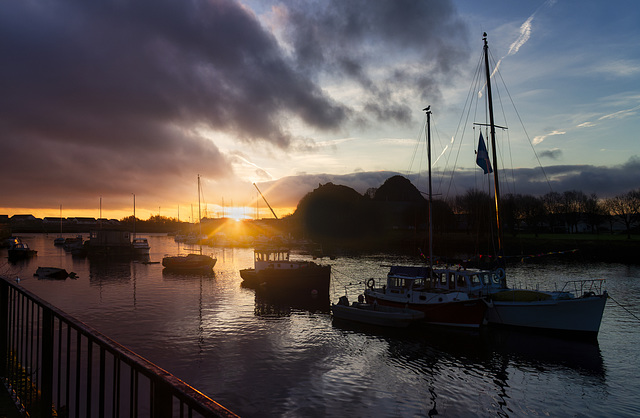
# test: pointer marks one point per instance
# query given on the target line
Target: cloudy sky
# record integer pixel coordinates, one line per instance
(104, 99)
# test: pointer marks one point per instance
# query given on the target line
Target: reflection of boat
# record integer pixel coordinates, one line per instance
(274, 269)
(20, 250)
(55, 273)
(189, 262)
(140, 245)
(277, 304)
(548, 351)
(447, 307)
(375, 314)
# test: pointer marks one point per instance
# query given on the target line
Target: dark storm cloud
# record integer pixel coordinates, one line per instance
(113, 91)
(356, 39)
(553, 154)
(110, 97)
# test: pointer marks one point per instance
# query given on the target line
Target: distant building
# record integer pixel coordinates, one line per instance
(23, 218)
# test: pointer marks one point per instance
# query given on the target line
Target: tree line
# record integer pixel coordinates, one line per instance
(333, 212)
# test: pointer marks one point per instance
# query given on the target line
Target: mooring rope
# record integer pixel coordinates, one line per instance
(628, 311)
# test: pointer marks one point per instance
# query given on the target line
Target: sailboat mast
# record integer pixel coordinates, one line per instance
(430, 190)
(199, 216)
(493, 145)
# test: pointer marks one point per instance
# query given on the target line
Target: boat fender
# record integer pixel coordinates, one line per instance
(500, 274)
(371, 283)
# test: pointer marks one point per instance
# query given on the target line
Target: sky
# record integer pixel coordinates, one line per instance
(110, 101)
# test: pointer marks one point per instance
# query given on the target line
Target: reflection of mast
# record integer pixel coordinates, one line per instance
(265, 201)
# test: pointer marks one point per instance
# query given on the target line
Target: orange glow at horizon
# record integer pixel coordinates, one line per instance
(236, 212)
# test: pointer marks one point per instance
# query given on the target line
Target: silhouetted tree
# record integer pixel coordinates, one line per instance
(553, 207)
(626, 208)
(476, 206)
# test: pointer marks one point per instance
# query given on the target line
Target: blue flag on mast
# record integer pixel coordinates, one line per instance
(482, 158)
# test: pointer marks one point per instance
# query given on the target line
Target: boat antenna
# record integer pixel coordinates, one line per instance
(265, 201)
(492, 128)
(427, 110)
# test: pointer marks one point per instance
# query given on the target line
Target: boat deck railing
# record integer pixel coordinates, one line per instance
(582, 287)
(55, 365)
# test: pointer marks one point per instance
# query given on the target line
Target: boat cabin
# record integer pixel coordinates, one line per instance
(474, 282)
(275, 258)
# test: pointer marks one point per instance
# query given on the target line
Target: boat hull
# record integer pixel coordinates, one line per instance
(189, 263)
(376, 315)
(580, 316)
(53, 273)
(463, 313)
(308, 278)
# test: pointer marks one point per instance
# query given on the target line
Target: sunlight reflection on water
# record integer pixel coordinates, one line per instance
(264, 357)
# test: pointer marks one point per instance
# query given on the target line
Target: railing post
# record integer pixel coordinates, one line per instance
(4, 327)
(162, 399)
(46, 401)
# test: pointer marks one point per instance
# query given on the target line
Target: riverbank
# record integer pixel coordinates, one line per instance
(455, 246)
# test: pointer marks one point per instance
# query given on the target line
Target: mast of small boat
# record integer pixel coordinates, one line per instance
(428, 111)
(134, 215)
(492, 128)
(199, 216)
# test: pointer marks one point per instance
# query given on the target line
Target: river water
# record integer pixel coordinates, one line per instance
(285, 357)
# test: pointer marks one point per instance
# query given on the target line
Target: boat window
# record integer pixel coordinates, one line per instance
(486, 278)
(461, 282)
(475, 280)
(443, 279)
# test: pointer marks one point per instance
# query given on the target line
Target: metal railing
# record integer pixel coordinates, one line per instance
(55, 365)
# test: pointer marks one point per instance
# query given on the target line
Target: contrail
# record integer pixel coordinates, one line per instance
(525, 34)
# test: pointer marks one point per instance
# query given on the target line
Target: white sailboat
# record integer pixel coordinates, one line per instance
(191, 262)
(576, 309)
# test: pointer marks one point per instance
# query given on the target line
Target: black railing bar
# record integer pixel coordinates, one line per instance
(59, 364)
(68, 367)
(101, 386)
(78, 370)
(116, 388)
(133, 402)
(89, 383)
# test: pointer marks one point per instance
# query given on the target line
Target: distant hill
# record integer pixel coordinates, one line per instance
(398, 189)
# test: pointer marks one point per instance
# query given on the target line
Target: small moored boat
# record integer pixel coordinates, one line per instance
(140, 245)
(20, 250)
(374, 314)
(54, 273)
(273, 269)
(189, 262)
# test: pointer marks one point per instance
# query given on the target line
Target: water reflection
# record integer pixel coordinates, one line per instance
(279, 354)
(269, 303)
(105, 271)
(542, 351)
